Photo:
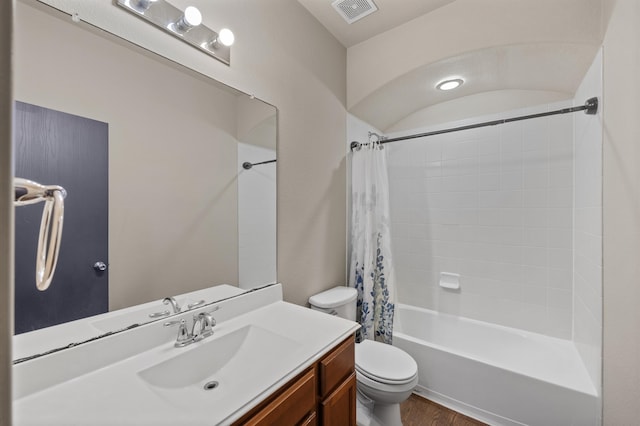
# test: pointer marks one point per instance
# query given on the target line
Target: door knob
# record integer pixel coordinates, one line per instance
(100, 266)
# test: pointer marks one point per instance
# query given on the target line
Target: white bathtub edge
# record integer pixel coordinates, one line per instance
(587, 387)
(466, 409)
(512, 396)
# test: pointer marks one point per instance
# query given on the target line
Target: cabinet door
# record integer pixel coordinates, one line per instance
(339, 409)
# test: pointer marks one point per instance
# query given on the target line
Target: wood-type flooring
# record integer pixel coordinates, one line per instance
(418, 411)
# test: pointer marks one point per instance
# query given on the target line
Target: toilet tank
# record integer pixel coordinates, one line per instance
(340, 301)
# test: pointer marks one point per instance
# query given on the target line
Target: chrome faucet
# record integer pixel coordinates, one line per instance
(206, 322)
(201, 328)
(173, 303)
(184, 338)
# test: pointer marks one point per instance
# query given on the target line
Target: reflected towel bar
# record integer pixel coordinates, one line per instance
(247, 165)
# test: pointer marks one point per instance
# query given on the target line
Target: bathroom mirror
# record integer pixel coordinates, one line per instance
(178, 211)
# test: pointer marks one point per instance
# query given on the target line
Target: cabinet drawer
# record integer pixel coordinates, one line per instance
(291, 407)
(337, 366)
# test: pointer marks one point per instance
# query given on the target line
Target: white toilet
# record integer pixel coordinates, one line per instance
(385, 375)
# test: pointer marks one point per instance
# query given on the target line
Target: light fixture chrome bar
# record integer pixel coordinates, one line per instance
(165, 16)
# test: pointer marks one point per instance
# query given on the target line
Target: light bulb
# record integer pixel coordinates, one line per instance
(226, 37)
(143, 5)
(190, 18)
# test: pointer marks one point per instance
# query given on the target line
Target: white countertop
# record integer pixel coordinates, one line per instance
(116, 394)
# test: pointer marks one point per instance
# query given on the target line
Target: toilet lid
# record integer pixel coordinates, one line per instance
(334, 297)
(384, 363)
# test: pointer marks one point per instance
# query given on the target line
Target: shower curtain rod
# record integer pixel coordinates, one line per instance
(247, 165)
(590, 107)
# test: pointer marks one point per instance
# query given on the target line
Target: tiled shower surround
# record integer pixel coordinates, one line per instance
(587, 297)
(494, 205)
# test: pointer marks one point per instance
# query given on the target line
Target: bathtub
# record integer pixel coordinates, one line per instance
(499, 375)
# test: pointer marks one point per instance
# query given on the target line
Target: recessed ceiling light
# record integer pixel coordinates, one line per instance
(449, 84)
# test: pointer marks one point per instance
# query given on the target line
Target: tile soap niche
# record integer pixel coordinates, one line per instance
(450, 281)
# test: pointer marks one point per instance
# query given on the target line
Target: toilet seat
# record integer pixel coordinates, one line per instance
(384, 363)
(379, 391)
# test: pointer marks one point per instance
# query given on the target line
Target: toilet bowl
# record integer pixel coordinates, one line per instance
(385, 375)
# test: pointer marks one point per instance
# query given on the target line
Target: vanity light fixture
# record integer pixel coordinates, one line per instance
(449, 84)
(185, 25)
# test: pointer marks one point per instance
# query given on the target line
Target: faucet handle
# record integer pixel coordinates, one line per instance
(209, 317)
(196, 304)
(174, 304)
(207, 322)
(184, 337)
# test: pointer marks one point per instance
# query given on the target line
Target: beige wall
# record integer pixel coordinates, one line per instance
(621, 215)
(6, 213)
(172, 154)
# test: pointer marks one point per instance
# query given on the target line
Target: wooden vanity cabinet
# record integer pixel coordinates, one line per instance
(323, 394)
(337, 391)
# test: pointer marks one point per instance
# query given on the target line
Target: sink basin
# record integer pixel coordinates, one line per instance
(231, 362)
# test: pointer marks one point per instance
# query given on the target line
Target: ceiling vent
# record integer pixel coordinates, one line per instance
(353, 10)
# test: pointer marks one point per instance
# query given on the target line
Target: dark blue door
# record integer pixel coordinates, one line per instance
(55, 148)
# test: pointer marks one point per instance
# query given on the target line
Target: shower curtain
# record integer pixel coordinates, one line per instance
(371, 267)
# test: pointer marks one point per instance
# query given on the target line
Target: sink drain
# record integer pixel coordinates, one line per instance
(211, 385)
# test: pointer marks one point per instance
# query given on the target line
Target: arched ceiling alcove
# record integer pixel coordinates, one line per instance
(497, 73)
(511, 53)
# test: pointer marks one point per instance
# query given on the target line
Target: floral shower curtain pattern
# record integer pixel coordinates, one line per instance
(371, 267)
